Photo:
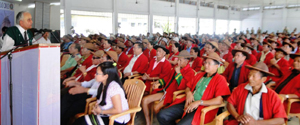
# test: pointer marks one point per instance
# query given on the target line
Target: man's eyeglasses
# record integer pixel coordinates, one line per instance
(99, 73)
(96, 57)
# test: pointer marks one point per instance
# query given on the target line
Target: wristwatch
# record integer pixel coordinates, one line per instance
(287, 96)
(201, 102)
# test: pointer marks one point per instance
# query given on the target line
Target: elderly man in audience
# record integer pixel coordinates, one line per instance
(265, 55)
(251, 59)
(138, 63)
(225, 51)
(236, 73)
(74, 50)
(159, 70)
(73, 97)
(253, 103)
(278, 65)
(67, 41)
(205, 89)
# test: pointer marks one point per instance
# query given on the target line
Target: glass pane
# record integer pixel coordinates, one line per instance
(163, 24)
(234, 24)
(87, 22)
(132, 24)
(206, 26)
(221, 26)
(187, 25)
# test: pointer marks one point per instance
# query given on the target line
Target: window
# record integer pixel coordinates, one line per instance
(251, 8)
(273, 7)
(234, 24)
(131, 24)
(187, 25)
(163, 24)
(88, 22)
(206, 26)
(221, 26)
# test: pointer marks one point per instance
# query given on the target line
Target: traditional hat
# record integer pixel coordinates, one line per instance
(242, 51)
(213, 56)
(86, 38)
(260, 66)
(99, 53)
(162, 47)
(282, 50)
(293, 56)
(273, 41)
(176, 39)
(113, 55)
(90, 46)
(268, 44)
(185, 53)
(121, 45)
(291, 45)
(248, 45)
(227, 43)
(240, 41)
(215, 44)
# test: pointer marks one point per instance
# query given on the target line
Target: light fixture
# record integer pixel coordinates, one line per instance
(31, 5)
(55, 4)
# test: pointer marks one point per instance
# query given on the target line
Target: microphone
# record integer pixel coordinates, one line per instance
(47, 30)
(34, 30)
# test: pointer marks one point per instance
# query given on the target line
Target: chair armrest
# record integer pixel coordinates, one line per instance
(88, 101)
(220, 118)
(79, 115)
(180, 96)
(207, 109)
(91, 106)
(177, 93)
(134, 76)
(290, 101)
(132, 110)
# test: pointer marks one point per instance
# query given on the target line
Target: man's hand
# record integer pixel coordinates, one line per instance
(77, 59)
(71, 83)
(189, 99)
(191, 107)
(155, 85)
(283, 96)
(177, 69)
(145, 76)
(77, 90)
(244, 119)
(273, 61)
(252, 121)
(96, 109)
(82, 69)
(127, 74)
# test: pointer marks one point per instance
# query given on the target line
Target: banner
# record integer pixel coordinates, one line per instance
(6, 15)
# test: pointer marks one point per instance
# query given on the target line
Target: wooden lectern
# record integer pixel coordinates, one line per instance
(35, 86)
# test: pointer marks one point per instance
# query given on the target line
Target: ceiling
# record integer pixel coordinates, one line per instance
(245, 3)
(30, 1)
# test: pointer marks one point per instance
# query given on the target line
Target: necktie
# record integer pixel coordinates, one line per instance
(25, 38)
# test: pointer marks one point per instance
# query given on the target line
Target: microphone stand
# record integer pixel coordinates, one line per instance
(9, 55)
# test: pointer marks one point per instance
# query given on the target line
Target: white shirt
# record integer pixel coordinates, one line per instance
(8, 42)
(128, 68)
(115, 89)
(93, 85)
(42, 40)
(252, 104)
(107, 49)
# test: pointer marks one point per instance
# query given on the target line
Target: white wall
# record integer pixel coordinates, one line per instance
(23, 7)
(273, 20)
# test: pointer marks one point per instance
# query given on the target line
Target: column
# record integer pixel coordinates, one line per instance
(215, 18)
(228, 18)
(284, 16)
(176, 15)
(67, 16)
(198, 17)
(261, 17)
(115, 24)
(150, 18)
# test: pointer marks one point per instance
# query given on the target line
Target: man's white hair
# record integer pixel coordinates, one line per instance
(20, 16)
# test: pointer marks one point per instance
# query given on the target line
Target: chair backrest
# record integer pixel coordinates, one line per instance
(134, 89)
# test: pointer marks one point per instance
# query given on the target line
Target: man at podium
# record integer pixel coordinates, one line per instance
(19, 34)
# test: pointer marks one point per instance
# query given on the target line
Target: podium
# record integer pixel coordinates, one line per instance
(36, 86)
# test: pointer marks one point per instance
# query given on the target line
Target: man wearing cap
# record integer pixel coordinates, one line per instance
(254, 103)
(138, 63)
(83, 62)
(210, 47)
(288, 47)
(288, 87)
(84, 40)
(248, 48)
(67, 41)
(205, 89)
(159, 70)
(274, 44)
(73, 97)
(123, 58)
(225, 51)
(279, 64)
(239, 43)
(190, 44)
(265, 55)
(236, 73)
(129, 49)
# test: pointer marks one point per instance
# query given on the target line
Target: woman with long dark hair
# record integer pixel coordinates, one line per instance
(111, 98)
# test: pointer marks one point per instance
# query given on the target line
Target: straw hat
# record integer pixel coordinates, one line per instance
(113, 55)
(248, 45)
(268, 44)
(213, 56)
(121, 45)
(289, 45)
(215, 44)
(260, 66)
(90, 46)
(185, 54)
(240, 50)
(227, 43)
(293, 56)
(86, 38)
(282, 50)
(99, 53)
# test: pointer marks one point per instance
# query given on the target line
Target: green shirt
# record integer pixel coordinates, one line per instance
(201, 86)
(70, 62)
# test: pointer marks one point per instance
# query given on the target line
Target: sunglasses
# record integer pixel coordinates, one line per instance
(96, 57)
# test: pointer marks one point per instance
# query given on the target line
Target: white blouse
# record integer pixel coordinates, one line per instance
(112, 90)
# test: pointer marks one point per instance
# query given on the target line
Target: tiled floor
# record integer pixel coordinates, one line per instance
(140, 120)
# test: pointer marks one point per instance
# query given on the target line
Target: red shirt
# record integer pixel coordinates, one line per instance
(197, 64)
(284, 66)
(122, 61)
(269, 56)
(251, 60)
(140, 65)
(243, 77)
